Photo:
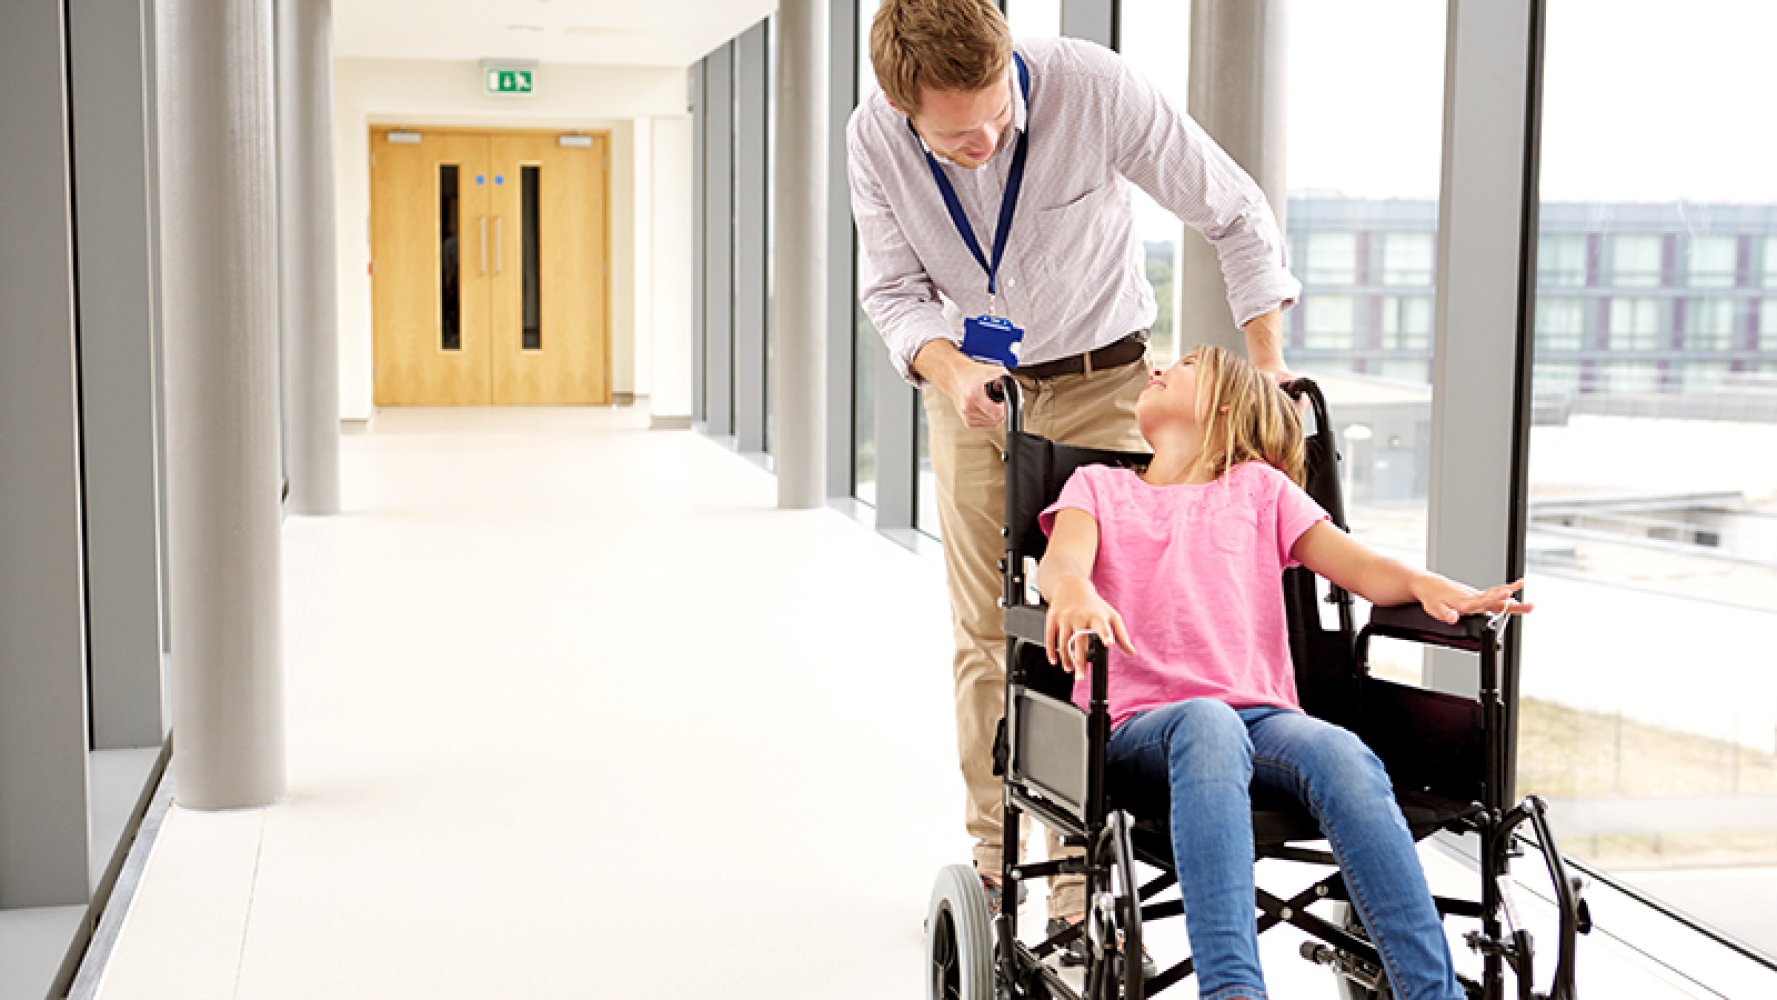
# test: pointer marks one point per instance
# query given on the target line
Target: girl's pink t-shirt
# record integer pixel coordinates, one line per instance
(1196, 573)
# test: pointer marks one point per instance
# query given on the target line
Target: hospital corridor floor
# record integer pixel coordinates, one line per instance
(574, 711)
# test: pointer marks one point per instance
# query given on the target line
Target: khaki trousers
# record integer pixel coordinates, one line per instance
(1093, 409)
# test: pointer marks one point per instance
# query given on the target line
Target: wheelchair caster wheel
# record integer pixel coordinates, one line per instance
(959, 938)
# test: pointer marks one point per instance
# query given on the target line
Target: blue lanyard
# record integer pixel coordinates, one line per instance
(1008, 202)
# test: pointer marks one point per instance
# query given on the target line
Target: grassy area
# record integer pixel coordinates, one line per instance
(1564, 752)
(1567, 752)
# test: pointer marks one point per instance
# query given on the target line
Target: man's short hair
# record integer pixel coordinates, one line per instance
(954, 45)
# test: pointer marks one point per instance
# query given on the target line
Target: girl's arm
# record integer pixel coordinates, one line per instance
(1385, 582)
(1065, 578)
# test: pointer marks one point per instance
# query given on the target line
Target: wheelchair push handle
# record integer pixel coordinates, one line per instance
(1005, 390)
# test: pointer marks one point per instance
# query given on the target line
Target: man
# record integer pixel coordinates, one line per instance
(1060, 133)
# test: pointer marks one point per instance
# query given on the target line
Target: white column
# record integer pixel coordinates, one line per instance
(309, 288)
(1237, 94)
(799, 354)
(219, 272)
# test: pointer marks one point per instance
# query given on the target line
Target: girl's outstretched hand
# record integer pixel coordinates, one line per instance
(1447, 600)
(1073, 614)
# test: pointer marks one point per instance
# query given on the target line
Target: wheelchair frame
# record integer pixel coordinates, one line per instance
(1447, 756)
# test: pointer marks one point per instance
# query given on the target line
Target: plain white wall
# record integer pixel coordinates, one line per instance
(370, 92)
(642, 364)
(671, 180)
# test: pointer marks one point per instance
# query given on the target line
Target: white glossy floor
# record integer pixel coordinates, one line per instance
(575, 712)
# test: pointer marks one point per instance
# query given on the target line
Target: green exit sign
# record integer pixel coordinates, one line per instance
(507, 81)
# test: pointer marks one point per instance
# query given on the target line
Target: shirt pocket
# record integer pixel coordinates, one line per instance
(1234, 529)
(1074, 232)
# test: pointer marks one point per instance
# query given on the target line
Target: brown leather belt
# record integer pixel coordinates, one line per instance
(1115, 354)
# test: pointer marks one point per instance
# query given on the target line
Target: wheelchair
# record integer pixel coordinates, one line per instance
(1448, 757)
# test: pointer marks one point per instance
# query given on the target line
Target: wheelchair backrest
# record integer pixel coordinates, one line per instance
(1037, 468)
(1427, 740)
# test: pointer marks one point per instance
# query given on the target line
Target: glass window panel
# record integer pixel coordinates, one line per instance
(866, 342)
(925, 509)
(1709, 324)
(530, 182)
(1328, 321)
(1152, 40)
(1406, 322)
(1364, 115)
(1561, 259)
(1560, 324)
(1706, 376)
(1711, 261)
(1770, 262)
(449, 264)
(1767, 330)
(1034, 18)
(868, 347)
(1635, 324)
(1647, 509)
(1635, 261)
(1417, 372)
(1407, 258)
(1332, 259)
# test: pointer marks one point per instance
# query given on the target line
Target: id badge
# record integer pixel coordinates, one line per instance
(992, 339)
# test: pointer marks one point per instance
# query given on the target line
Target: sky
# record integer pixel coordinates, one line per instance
(1645, 100)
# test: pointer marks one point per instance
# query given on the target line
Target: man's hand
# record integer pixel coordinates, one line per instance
(964, 380)
(1264, 345)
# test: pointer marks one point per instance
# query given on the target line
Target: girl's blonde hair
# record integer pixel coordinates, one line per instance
(949, 45)
(1246, 416)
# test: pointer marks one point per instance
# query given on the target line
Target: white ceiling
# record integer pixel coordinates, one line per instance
(632, 33)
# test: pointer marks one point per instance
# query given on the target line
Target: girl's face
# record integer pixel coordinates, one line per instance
(1171, 395)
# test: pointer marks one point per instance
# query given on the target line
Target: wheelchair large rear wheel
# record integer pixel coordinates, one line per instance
(959, 938)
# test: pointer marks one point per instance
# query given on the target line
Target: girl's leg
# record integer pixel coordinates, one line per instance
(1199, 748)
(1346, 788)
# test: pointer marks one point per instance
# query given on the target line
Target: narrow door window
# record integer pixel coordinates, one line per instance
(533, 311)
(451, 297)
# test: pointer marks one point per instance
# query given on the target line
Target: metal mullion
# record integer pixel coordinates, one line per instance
(1093, 20)
(719, 242)
(1481, 299)
(750, 197)
(842, 286)
(699, 230)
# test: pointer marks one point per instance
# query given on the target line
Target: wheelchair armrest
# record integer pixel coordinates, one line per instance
(1025, 621)
(1410, 622)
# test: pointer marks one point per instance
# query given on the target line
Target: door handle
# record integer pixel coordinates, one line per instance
(484, 244)
(499, 245)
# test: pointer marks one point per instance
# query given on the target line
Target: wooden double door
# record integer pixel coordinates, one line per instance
(490, 267)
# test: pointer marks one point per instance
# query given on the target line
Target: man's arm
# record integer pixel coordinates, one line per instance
(1264, 342)
(896, 292)
(903, 304)
(1168, 155)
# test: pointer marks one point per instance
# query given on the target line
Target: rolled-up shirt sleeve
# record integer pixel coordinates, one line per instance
(1168, 155)
(894, 287)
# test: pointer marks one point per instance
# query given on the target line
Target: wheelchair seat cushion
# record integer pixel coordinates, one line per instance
(1277, 820)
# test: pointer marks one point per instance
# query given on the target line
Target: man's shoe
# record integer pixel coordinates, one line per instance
(1074, 953)
(990, 887)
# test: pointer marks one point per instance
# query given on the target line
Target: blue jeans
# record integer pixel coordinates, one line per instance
(1209, 755)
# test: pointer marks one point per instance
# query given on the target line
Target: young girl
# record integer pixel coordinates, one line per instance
(1177, 569)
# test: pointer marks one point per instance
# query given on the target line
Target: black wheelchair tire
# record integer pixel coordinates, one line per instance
(959, 938)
